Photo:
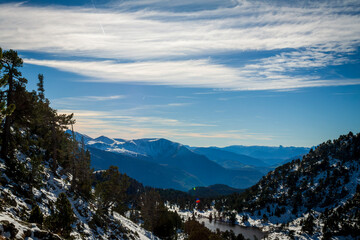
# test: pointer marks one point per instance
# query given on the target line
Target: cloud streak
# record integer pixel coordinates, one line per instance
(157, 34)
(265, 75)
(94, 98)
(178, 48)
(113, 124)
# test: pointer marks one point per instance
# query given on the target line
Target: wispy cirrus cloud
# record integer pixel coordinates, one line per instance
(119, 117)
(147, 34)
(166, 47)
(93, 98)
(265, 75)
(71, 101)
(113, 124)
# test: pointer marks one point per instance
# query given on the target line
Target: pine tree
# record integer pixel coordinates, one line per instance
(265, 218)
(4, 111)
(150, 202)
(36, 215)
(41, 89)
(60, 222)
(10, 62)
(232, 218)
(112, 191)
(308, 225)
(35, 177)
(81, 169)
(157, 218)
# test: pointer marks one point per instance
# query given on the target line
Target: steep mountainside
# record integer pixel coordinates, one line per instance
(144, 171)
(16, 205)
(318, 193)
(165, 164)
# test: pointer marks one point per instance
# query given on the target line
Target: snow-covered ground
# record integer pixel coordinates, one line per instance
(15, 210)
(138, 231)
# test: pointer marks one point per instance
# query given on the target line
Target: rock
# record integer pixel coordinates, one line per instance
(9, 227)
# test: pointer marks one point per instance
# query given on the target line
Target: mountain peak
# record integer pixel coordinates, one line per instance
(105, 139)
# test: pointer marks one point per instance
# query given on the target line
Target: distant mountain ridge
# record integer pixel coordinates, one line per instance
(270, 155)
(164, 164)
(229, 159)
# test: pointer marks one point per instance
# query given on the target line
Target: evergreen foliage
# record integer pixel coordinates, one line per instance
(81, 170)
(41, 88)
(298, 178)
(197, 231)
(4, 110)
(111, 192)
(12, 80)
(36, 216)
(321, 180)
(343, 221)
(61, 220)
(36, 130)
(308, 225)
(157, 218)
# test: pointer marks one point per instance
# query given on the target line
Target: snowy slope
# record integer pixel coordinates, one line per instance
(322, 189)
(144, 147)
(15, 208)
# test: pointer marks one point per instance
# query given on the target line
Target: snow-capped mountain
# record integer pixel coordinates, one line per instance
(164, 164)
(149, 147)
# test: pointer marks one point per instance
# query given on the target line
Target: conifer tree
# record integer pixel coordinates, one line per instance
(4, 111)
(36, 215)
(81, 169)
(11, 63)
(308, 225)
(111, 192)
(150, 203)
(41, 89)
(61, 221)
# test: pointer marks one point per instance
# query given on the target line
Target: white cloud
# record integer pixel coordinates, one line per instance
(163, 47)
(148, 34)
(118, 117)
(93, 98)
(265, 75)
(74, 101)
(112, 124)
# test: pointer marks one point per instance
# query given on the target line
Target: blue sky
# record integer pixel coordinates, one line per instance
(197, 72)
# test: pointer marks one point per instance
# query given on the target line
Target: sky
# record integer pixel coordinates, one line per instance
(202, 73)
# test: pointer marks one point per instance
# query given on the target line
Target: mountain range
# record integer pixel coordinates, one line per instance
(258, 156)
(162, 163)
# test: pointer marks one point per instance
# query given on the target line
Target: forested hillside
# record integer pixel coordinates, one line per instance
(322, 190)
